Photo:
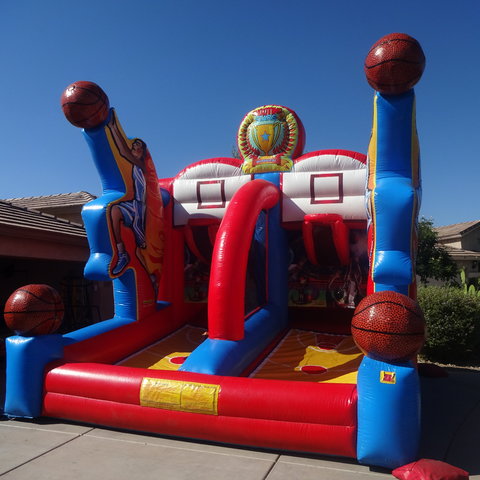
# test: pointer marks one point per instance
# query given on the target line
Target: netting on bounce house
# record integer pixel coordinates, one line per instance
(238, 284)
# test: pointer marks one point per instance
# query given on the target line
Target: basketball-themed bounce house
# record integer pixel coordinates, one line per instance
(265, 301)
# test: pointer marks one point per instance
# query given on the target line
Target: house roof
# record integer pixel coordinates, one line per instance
(52, 201)
(14, 216)
(456, 230)
(461, 254)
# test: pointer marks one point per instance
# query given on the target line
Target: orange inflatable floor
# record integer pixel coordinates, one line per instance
(300, 356)
(170, 352)
(312, 357)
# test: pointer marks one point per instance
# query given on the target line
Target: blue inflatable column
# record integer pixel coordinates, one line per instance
(389, 394)
(393, 193)
(388, 413)
(27, 359)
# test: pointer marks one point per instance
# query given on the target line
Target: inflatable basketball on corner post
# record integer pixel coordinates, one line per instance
(85, 104)
(394, 64)
(35, 309)
(389, 326)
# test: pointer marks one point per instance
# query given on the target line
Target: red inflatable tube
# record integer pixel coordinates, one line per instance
(212, 225)
(328, 403)
(230, 256)
(112, 346)
(339, 231)
(302, 437)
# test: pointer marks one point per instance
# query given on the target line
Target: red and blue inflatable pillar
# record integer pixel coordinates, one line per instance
(389, 393)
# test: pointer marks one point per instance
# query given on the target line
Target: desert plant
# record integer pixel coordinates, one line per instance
(471, 289)
(452, 317)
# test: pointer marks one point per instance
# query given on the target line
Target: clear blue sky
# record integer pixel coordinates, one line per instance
(182, 74)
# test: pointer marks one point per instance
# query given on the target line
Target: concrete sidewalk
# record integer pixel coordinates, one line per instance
(50, 449)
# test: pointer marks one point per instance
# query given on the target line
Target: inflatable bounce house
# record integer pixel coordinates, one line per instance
(238, 285)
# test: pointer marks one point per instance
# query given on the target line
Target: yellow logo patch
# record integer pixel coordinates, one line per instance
(388, 377)
(181, 396)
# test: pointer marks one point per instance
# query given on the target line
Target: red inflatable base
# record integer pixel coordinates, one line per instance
(295, 416)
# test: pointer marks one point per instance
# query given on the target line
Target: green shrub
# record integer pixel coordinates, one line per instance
(453, 324)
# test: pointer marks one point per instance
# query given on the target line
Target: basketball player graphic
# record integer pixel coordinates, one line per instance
(132, 213)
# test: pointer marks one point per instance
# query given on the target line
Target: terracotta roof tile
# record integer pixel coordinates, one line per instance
(52, 201)
(455, 229)
(461, 253)
(15, 216)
